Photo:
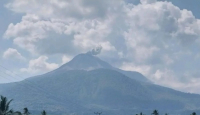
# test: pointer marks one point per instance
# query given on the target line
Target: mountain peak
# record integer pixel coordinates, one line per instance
(88, 62)
(85, 61)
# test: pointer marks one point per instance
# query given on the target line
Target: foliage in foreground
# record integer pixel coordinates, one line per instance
(5, 109)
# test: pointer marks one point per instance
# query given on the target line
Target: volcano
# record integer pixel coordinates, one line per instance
(87, 84)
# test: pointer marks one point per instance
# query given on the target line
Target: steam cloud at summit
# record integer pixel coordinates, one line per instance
(95, 51)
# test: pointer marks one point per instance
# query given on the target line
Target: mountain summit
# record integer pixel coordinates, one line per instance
(88, 62)
(85, 62)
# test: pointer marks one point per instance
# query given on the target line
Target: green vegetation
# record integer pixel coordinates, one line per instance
(4, 106)
(5, 109)
(155, 112)
(43, 112)
(193, 113)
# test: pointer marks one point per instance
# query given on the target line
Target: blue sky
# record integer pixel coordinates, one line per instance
(160, 39)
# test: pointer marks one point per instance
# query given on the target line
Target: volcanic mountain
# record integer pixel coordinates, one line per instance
(89, 62)
(87, 84)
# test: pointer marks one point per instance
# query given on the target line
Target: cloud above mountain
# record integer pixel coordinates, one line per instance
(40, 64)
(153, 37)
(12, 53)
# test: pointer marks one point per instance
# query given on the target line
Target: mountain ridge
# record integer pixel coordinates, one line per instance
(101, 89)
(86, 61)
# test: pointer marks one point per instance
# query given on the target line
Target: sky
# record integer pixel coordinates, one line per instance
(158, 38)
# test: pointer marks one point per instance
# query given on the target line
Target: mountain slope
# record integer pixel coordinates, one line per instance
(89, 62)
(87, 84)
(133, 75)
(84, 92)
(85, 62)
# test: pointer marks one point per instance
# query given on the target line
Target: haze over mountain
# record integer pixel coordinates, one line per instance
(87, 84)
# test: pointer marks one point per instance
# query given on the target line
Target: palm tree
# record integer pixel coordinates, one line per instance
(26, 112)
(155, 112)
(10, 112)
(194, 113)
(43, 112)
(4, 106)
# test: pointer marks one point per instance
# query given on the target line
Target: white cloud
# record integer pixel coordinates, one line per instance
(66, 59)
(31, 30)
(154, 37)
(147, 1)
(144, 69)
(12, 53)
(78, 9)
(40, 65)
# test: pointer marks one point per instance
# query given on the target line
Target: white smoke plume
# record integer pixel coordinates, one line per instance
(95, 51)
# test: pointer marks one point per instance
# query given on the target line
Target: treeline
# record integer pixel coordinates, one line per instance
(155, 112)
(5, 109)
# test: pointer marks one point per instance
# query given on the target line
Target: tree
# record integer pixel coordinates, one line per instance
(142, 113)
(10, 112)
(97, 113)
(155, 112)
(4, 106)
(194, 113)
(26, 112)
(43, 112)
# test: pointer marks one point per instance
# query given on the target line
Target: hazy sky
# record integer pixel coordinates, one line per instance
(160, 39)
